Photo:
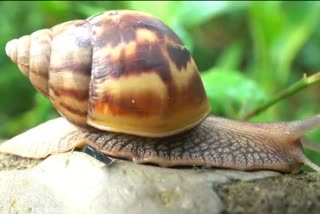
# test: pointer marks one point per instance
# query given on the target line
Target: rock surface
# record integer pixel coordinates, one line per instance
(77, 183)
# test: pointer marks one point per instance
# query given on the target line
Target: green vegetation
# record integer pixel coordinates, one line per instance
(249, 54)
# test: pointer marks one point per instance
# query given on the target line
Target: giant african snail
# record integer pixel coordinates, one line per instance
(129, 83)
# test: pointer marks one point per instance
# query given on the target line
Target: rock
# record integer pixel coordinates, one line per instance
(77, 183)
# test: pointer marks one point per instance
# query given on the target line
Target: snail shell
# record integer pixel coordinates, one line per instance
(121, 71)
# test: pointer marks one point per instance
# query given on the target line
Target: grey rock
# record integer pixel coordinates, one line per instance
(77, 183)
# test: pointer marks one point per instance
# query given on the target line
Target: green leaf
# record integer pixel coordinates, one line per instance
(163, 10)
(42, 111)
(230, 93)
(265, 23)
(279, 31)
(302, 18)
(89, 10)
(193, 13)
(231, 57)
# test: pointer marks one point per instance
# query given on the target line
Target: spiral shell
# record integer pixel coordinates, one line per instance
(122, 71)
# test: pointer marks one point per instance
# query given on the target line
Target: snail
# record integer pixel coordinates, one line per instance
(133, 90)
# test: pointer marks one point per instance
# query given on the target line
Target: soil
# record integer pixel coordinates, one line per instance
(299, 193)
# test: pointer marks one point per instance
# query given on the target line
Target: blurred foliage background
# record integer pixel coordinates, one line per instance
(247, 52)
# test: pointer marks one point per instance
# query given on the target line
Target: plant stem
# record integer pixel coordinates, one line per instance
(296, 87)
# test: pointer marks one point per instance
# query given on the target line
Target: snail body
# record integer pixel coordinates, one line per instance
(126, 80)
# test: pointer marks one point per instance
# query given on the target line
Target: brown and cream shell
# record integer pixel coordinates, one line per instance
(122, 71)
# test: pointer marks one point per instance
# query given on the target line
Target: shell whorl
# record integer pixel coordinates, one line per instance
(33, 59)
(122, 71)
